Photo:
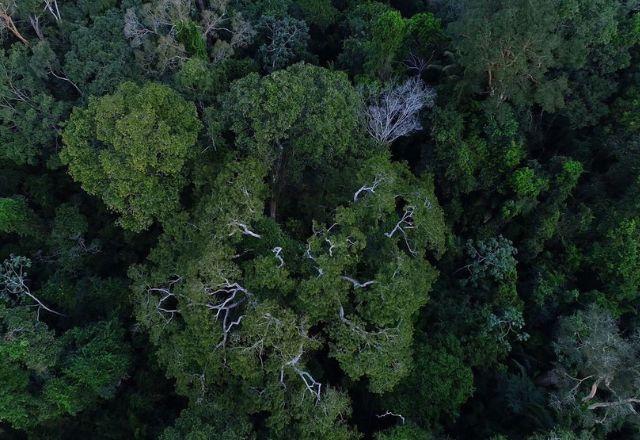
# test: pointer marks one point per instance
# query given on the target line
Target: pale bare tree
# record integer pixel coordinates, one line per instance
(393, 111)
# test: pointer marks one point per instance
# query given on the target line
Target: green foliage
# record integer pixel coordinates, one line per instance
(286, 41)
(439, 378)
(190, 35)
(45, 377)
(317, 12)
(301, 121)
(30, 115)
(617, 259)
(492, 258)
(131, 149)
(16, 217)
(526, 184)
(282, 274)
(404, 432)
(100, 58)
(381, 39)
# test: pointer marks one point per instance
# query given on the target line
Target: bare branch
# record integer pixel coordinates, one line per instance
(64, 78)
(628, 401)
(228, 298)
(406, 222)
(310, 383)
(393, 112)
(389, 413)
(9, 24)
(277, 252)
(357, 284)
(165, 294)
(13, 277)
(245, 229)
(368, 189)
(52, 7)
(35, 24)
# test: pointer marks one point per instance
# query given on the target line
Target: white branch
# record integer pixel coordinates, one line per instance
(277, 252)
(310, 383)
(13, 279)
(406, 222)
(165, 294)
(368, 189)
(229, 297)
(52, 7)
(357, 284)
(389, 413)
(394, 112)
(245, 229)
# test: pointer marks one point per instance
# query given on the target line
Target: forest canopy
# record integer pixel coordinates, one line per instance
(320, 219)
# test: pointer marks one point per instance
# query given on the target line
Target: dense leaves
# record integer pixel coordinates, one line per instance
(319, 219)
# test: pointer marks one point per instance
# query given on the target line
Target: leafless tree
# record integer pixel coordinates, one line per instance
(287, 38)
(416, 63)
(13, 282)
(243, 32)
(393, 112)
(218, 21)
(134, 29)
(159, 22)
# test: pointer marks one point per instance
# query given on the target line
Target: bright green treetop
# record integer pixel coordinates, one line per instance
(131, 148)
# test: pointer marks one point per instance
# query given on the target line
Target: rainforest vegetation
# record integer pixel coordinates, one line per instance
(320, 219)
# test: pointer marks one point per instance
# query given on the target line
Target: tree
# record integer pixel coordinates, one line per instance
(524, 53)
(167, 32)
(299, 121)
(393, 112)
(99, 57)
(30, 116)
(363, 278)
(286, 41)
(381, 40)
(131, 149)
(46, 377)
(616, 260)
(507, 48)
(16, 217)
(440, 377)
(597, 369)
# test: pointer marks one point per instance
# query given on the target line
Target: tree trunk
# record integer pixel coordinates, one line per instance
(275, 181)
(12, 27)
